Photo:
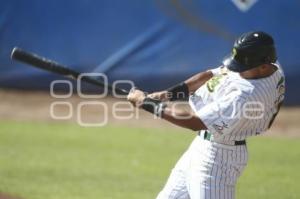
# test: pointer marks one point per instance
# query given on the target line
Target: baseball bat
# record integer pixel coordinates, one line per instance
(54, 67)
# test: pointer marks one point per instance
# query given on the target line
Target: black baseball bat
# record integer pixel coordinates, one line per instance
(54, 67)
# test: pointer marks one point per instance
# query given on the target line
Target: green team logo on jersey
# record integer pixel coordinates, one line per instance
(281, 81)
(213, 82)
(234, 52)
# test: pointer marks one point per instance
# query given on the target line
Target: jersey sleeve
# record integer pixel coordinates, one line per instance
(218, 71)
(223, 115)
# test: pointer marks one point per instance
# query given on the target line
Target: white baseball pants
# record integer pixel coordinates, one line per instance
(207, 170)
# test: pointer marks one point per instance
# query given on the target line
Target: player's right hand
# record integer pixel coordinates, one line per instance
(136, 97)
(161, 95)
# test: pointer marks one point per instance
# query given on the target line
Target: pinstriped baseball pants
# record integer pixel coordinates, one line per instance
(207, 170)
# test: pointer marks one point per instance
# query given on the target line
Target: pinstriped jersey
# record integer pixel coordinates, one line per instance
(234, 108)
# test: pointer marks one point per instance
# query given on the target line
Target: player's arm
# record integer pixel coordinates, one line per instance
(183, 90)
(183, 119)
(219, 117)
(174, 115)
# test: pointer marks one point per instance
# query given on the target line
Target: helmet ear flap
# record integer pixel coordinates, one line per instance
(267, 59)
(270, 59)
(269, 55)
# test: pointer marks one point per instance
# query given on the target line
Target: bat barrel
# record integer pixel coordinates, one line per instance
(54, 67)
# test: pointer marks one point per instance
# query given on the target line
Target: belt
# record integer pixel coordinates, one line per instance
(208, 136)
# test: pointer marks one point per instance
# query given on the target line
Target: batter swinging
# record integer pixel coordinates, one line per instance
(239, 99)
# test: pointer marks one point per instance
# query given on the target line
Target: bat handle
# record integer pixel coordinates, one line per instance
(120, 91)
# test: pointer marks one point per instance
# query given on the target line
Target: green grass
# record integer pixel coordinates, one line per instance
(64, 161)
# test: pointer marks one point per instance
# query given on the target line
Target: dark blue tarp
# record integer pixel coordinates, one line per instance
(155, 43)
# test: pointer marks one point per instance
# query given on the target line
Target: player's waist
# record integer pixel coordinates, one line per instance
(206, 135)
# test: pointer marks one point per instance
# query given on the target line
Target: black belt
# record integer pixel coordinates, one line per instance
(208, 135)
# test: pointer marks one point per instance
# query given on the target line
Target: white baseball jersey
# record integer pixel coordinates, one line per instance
(232, 108)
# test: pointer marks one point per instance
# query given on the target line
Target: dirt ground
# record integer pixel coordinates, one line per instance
(35, 106)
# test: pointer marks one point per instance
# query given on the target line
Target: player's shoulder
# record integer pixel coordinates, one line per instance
(280, 69)
(235, 82)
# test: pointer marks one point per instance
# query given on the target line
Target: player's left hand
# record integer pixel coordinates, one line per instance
(136, 97)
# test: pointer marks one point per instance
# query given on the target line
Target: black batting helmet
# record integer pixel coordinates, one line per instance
(250, 50)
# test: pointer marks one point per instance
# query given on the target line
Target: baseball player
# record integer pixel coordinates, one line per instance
(239, 99)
